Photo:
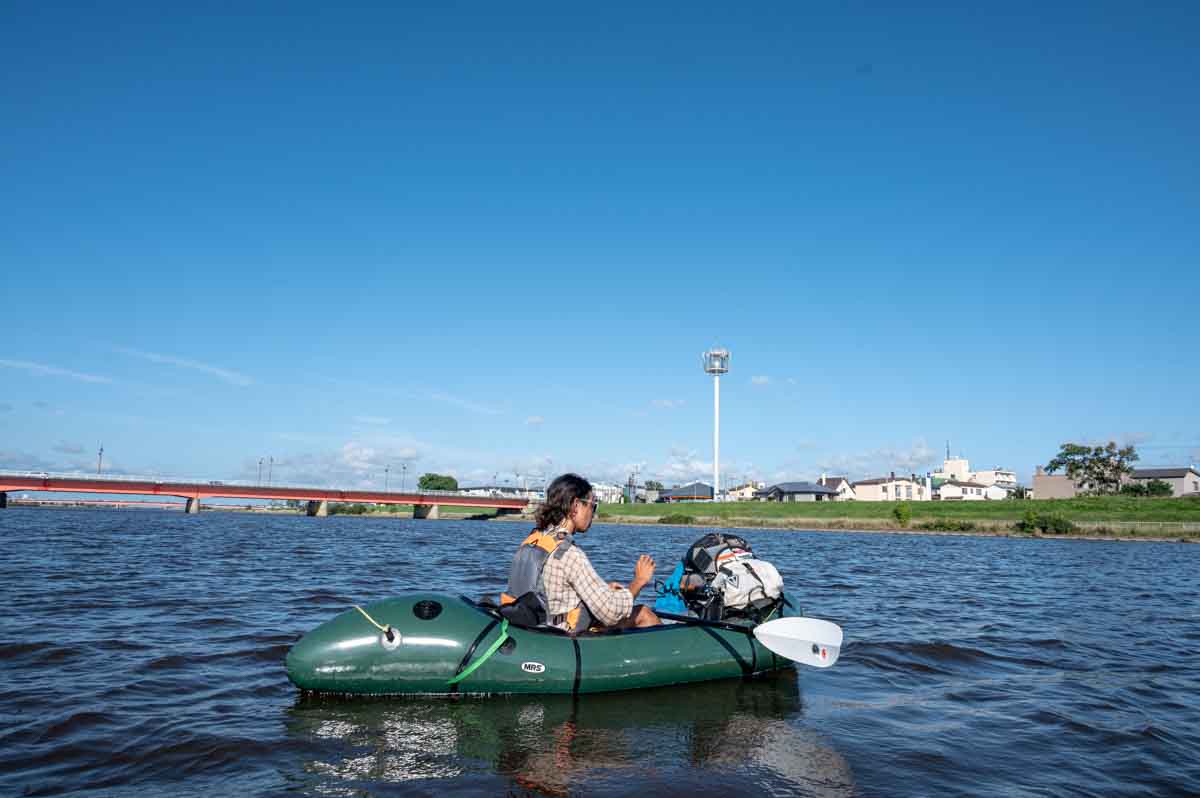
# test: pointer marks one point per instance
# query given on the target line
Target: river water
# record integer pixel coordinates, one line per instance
(142, 653)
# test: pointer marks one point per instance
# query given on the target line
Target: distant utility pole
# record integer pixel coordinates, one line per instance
(259, 482)
(403, 475)
(270, 468)
(100, 459)
(385, 478)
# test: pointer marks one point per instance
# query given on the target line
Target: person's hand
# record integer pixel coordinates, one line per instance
(644, 570)
(643, 573)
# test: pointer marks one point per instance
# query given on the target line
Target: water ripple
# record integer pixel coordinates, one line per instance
(142, 653)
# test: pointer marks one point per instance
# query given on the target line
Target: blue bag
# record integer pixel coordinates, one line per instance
(669, 600)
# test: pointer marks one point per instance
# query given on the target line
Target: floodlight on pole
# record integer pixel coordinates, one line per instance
(716, 363)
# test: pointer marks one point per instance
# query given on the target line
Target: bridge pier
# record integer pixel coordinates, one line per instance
(193, 506)
(3, 500)
(425, 511)
(318, 509)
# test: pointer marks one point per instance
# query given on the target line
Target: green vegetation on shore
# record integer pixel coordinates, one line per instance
(1095, 515)
(444, 510)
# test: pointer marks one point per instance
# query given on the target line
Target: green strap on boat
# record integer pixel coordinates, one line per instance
(492, 649)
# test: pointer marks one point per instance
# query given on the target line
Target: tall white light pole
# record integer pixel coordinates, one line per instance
(716, 363)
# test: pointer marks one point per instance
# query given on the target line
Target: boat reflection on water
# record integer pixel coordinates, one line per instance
(698, 739)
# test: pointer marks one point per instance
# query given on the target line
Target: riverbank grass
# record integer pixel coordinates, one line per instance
(1098, 515)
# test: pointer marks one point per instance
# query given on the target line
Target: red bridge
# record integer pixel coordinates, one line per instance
(425, 503)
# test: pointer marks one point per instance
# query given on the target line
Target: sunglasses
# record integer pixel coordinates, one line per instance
(593, 503)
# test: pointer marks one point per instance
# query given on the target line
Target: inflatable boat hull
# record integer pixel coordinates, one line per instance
(438, 637)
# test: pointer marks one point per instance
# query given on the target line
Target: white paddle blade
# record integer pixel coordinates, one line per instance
(809, 641)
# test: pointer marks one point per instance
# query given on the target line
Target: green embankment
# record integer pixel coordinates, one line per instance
(1101, 515)
(404, 510)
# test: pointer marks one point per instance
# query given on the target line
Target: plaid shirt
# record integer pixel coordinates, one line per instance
(571, 580)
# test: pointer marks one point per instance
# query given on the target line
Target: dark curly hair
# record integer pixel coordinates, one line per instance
(559, 495)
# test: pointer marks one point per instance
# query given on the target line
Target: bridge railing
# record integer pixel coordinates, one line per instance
(234, 483)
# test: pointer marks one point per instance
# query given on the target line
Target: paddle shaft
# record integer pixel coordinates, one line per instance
(729, 627)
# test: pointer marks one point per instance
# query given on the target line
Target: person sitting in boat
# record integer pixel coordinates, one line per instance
(549, 564)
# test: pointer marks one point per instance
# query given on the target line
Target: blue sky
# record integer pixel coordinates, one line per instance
(491, 240)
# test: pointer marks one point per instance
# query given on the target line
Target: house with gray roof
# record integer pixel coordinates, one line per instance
(696, 491)
(1184, 480)
(843, 486)
(798, 492)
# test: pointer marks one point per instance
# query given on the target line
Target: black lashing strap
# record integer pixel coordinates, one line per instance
(758, 578)
(471, 651)
(747, 668)
(578, 667)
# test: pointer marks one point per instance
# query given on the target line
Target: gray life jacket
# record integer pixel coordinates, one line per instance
(524, 602)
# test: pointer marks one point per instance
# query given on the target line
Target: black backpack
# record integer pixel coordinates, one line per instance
(699, 570)
(701, 558)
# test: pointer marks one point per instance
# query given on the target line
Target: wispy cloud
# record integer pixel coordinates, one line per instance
(685, 465)
(62, 447)
(535, 421)
(24, 461)
(465, 404)
(375, 421)
(760, 379)
(878, 462)
(5, 407)
(353, 464)
(668, 404)
(42, 370)
(232, 377)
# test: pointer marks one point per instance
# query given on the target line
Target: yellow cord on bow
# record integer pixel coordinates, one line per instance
(380, 627)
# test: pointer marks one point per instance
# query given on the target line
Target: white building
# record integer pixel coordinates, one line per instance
(746, 492)
(954, 468)
(1000, 477)
(958, 469)
(956, 490)
(608, 494)
(532, 492)
(892, 488)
